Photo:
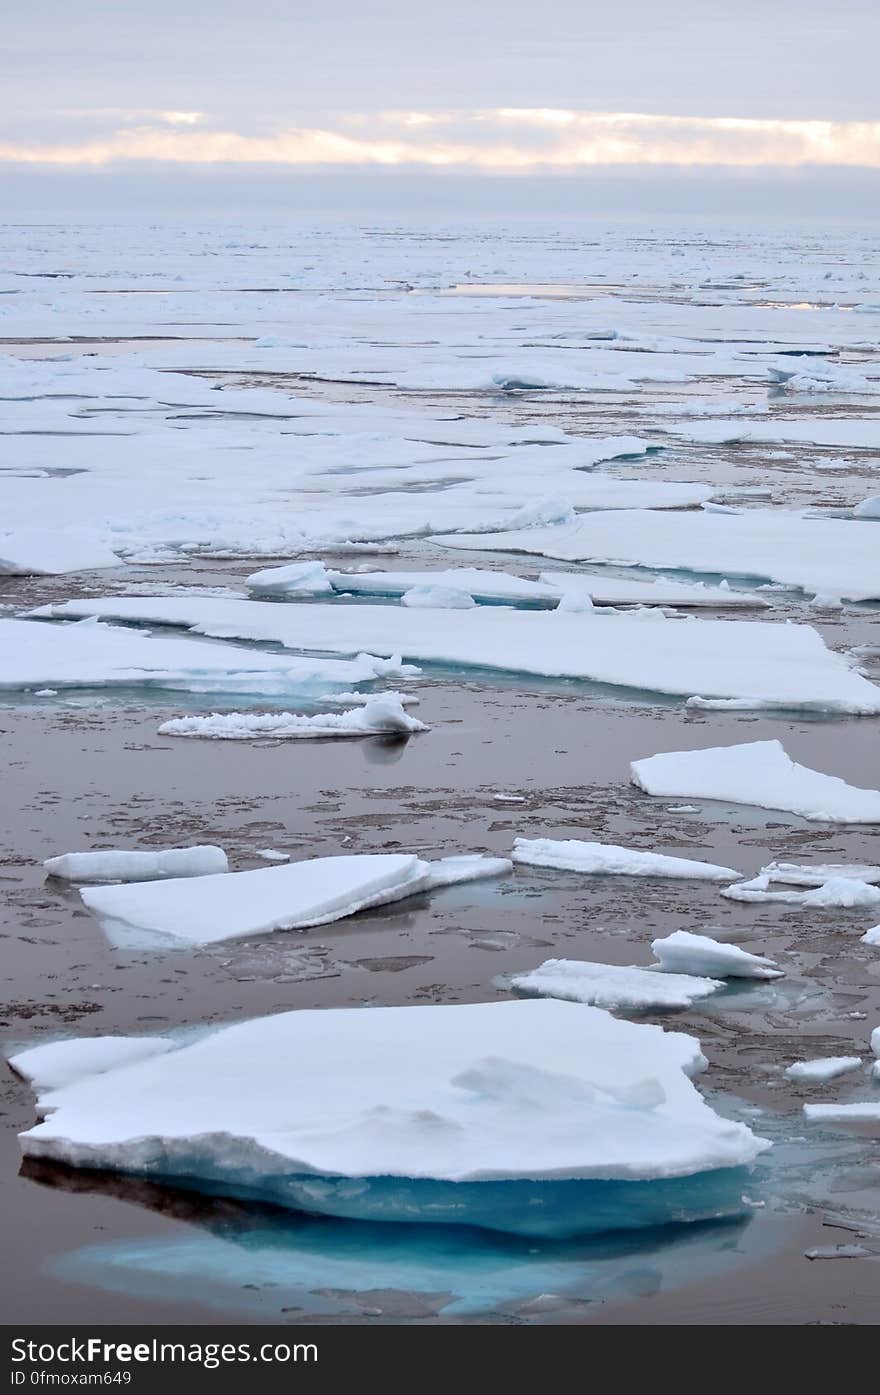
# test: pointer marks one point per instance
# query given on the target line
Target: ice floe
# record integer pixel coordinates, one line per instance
(607, 859)
(857, 1112)
(382, 713)
(823, 1068)
(123, 866)
(872, 937)
(297, 579)
(395, 1095)
(817, 555)
(780, 665)
(293, 897)
(35, 656)
(612, 986)
(816, 874)
(760, 773)
(437, 598)
(685, 953)
(49, 552)
(845, 893)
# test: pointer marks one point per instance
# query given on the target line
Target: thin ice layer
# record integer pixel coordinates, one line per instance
(759, 773)
(783, 665)
(572, 855)
(415, 1092)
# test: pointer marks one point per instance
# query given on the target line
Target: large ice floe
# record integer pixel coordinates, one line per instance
(381, 714)
(779, 665)
(120, 865)
(817, 555)
(536, 1117)
(760, 773)
(294, 897)
(34, 656)
(613, 986)
(606, 859)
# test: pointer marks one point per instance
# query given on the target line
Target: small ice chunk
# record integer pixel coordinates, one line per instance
(273, 855)
(608, 859)
(868, 508)
(381, 713)
(858, 1112)
(296, 579)
(123, 866)
(872, 936)
(823, 1068)
(437, 598)
(612, 986)
(684, 952)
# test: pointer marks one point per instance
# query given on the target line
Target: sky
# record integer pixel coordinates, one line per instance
(570, 105)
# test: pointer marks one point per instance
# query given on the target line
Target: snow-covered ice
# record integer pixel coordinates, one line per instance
(607, 859)
(437, 598)
(759, 773)
(383, 713)
(685, 953)
(431, 1092)
(297, 579)
(782, 665)
(823, 1068)
(857, 1112)
(91, 655)
(49, 552)
(817, 873)
(872, 937)
(293, 897)
(612, 986)
(845, 893)
(837, 556)
(123, 866)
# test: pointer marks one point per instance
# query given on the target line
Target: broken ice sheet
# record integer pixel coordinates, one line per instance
(612, 986)
(380, 713)
(116, 865)
(295, 896)
(783, 665)
(606, 859)
(397, 1101)
(685, 953)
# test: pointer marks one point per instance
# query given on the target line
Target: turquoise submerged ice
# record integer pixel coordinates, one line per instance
(537, 1117)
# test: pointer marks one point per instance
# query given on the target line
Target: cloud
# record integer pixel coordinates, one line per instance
(506, 140)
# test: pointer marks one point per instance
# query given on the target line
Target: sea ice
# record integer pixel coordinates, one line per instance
(123, 866)
(845, 893)
(816, 874)
(872, 937)
(858, 1112)
(823, 1068)
(48, 552)
(685, 953)
(613, 987)
(868, 508)
(91, 655)
(437, 598)
(782, 665)
(759, 773)
(293, 897)
(607, 859)
(297, 579)
(56, 1064)
(837, 556)
(338, 1111)
(381, 714)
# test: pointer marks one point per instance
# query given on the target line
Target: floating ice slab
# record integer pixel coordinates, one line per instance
(816, 874)
(685, 953)
(296, 1106)
(480, 584)
(612, 986)
(782, 665)
(297, 579)
(823, 1068)
(437, 598)
(292, 897)
(34, 656)
(123, 866)
(829, 556)
(48, 552)
(868, 508)
(606, 859)
(858, 1112)
(381, 714)
(872, 937)
(845, 893)
(759, 773)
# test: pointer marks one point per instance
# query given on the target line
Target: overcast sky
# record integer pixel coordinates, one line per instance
(280, 96)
